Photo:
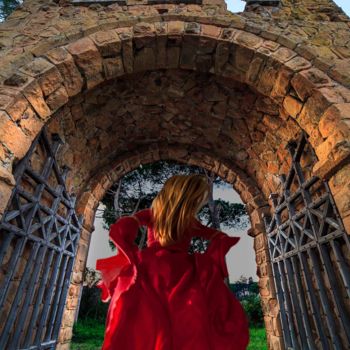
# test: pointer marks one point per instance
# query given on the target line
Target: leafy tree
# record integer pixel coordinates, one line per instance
(7, 6)
(137, 189)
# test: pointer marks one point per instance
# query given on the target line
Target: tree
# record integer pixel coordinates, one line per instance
(137, 189)
(7, 6)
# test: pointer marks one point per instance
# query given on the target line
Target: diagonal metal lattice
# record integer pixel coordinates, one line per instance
(39, 234)
(309, 251)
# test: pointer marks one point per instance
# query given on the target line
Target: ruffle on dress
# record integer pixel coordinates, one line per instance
(119, 272)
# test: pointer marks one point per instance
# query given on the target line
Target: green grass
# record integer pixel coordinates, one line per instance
(89, 334)
(257, 339)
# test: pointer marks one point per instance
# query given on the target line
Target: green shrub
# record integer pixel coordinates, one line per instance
(252, 306)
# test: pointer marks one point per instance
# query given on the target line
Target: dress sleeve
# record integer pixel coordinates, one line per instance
(122, 233)
(144, 216)
(219, 247)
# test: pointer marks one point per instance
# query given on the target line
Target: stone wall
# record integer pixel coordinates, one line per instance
(125, 85)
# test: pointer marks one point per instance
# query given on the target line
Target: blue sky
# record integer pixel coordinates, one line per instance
(238, 6)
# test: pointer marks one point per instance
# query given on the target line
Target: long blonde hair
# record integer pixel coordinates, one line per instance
(176, 205)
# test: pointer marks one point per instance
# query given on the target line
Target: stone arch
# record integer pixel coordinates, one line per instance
(309, 94)
(95, 107)
(245, 186)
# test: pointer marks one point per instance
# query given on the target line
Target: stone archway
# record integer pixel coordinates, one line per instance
(103, 83)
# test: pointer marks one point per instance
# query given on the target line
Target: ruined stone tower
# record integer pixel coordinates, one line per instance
(91, 89)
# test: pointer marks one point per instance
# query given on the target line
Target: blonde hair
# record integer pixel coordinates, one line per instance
(176, 205)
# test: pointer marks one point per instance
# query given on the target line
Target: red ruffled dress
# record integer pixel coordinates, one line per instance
(163, 298)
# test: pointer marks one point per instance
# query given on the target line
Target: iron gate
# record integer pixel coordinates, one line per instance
(309, 252)
(39, 233)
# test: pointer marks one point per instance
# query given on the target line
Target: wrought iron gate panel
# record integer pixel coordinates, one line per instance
(309, 252)
(39, 233)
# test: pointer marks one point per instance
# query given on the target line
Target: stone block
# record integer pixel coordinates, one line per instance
(268, 323)
(297, 64)
(68, 318)
(49, 78)
(16, 109)
(176, 28)
(342, 201)
(242, 58)
(113, 67)
(107, 42)
(57, 99)
(340, 179)
(5, 193)
(65, 334)
(277, 324)
(292, 106)
(282, 84)
(35, 96)
(248, 40)
(268, 76)
(260, 242)
(256, 65)
(144, 35)
(144, 59)
(283, 54)
(211, 31)
(221, 56)
(332, 116)
(13, 137)
(88, 59)
(340, 72)
(72, 79)
(128, 56)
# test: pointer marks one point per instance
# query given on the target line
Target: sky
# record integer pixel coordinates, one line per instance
(238, 6)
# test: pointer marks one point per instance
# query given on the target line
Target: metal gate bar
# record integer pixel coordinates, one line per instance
(306, 234)
(40, 238)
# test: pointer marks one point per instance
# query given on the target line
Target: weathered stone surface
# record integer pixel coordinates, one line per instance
(332, 117)
(292, 105)
(12, 136)
(113, 67)
(297, 64)
(72, 79)
(126, 34)
(299, 67)
(35, 96)
(88, 59)
(49, 78)
(107, 42)
(305, 81)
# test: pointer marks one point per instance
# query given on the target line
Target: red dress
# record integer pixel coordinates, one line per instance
(163, 298)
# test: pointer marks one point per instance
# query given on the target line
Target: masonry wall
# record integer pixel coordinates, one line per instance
(291, 62)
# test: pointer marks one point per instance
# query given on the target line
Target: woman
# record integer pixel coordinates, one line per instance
(166, 297)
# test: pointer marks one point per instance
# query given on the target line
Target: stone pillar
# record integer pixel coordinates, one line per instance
(86, 206)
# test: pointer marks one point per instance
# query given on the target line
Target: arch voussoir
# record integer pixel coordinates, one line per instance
(49, 81)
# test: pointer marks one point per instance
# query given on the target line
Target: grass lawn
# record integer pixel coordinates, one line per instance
(258, 339)
(88, 335)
